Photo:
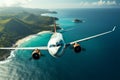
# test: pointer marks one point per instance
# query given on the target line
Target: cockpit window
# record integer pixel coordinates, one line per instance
(60, 43)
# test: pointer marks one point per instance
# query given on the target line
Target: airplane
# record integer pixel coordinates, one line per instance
(56, 45)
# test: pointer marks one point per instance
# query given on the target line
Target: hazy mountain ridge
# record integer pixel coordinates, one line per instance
(16, 10)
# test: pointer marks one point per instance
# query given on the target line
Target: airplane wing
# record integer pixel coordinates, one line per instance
(24, 48)
(88, 38)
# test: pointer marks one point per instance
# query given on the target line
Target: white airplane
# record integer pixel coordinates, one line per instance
(56, 45)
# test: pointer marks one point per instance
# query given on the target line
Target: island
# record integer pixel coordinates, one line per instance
(77, 21)
(17, 23)
(53, 12)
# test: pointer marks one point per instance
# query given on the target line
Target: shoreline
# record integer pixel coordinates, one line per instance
(27, 38)
(18, 43)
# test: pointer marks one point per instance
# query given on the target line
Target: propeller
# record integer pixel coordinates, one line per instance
(31, 58)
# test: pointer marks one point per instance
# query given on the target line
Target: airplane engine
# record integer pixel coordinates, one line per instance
(36, 54)
(77, 47)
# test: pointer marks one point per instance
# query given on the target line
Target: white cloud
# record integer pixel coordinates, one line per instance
(98, 3)
(15, 3)
(47, 4)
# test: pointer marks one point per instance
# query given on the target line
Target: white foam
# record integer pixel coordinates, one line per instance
(12, 54)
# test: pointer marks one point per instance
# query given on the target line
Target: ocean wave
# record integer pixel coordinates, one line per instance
(12, 54)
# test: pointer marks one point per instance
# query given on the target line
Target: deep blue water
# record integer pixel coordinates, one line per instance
(100, 60)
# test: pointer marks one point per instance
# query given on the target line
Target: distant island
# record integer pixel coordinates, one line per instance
(16, 23)
(77, 21)
(53, 12)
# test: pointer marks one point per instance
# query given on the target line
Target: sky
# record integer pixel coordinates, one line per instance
(48, 4)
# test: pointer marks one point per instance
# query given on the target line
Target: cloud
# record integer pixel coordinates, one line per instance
(101, 2)
(98, 3)
(15, 3)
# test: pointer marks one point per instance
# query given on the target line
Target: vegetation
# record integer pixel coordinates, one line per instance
(16, 23)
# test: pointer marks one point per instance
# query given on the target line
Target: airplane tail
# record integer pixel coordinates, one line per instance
(114, 28)
(54, 26)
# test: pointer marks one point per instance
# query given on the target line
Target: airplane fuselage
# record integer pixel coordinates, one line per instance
(56, 45)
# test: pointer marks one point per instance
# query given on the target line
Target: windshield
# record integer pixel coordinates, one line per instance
(60, 43)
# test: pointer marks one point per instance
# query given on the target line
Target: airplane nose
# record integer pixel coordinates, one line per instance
(54, 51)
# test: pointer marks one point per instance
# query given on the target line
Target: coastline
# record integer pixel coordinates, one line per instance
(27, 38)
(18, 43)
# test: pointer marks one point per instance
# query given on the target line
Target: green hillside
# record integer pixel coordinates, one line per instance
(17, 27)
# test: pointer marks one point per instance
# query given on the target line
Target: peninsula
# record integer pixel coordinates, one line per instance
(17, 23)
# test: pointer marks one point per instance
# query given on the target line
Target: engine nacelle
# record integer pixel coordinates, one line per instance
(36, 54)
(77, 47)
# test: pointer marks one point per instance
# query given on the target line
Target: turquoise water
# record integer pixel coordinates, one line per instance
(100, 60)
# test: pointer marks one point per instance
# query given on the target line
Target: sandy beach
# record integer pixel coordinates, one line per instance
(27, 38)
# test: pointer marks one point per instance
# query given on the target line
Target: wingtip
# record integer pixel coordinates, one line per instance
(114, 28)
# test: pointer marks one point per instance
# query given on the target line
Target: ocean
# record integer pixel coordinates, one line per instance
(100, 59)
